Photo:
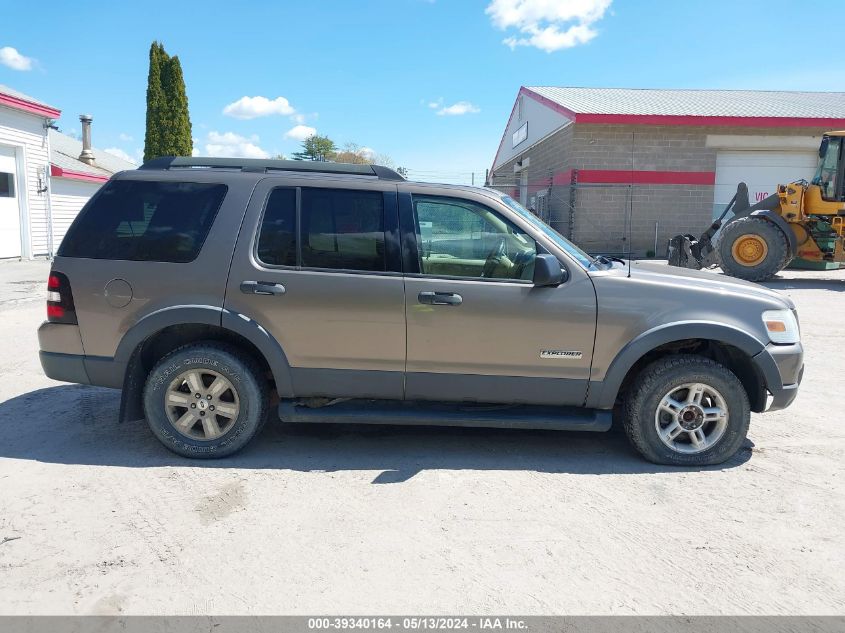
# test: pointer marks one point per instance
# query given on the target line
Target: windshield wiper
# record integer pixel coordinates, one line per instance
(608, 261)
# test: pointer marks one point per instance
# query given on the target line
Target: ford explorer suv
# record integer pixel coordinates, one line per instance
(217, 293)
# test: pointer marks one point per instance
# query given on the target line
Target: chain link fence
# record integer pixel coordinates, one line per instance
(602, 218)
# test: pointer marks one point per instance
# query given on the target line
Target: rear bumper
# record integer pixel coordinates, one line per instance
(62, 358)
(64, 367)
(782, 368)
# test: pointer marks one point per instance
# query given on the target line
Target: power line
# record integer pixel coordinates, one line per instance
(448, 176)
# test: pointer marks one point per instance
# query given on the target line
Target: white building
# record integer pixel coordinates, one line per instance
(45, 177)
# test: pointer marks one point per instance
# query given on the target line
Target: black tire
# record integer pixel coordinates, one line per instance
(244, 375)
(777, 244)
(666, 374)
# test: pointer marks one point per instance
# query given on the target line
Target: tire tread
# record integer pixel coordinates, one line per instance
(759, 226)
(249, 364)
(659, 373)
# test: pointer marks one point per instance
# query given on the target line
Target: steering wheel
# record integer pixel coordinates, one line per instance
(494, 258)
(521, 261)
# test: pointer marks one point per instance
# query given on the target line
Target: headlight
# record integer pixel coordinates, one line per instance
(781, 326)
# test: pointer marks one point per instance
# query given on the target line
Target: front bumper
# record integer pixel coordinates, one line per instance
(782, 367)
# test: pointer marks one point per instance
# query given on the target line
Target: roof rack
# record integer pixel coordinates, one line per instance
(270, 166)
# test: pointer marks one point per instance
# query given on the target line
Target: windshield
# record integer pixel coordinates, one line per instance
(828, 167)
(583, 258)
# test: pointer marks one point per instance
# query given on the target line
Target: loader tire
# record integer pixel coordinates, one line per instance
(753, 249)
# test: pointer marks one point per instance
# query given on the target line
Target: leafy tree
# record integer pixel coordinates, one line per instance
(355, 154)
(316, 147)
(168, 131)
(323, 148)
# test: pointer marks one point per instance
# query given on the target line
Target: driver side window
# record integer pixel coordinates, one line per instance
(461, 238)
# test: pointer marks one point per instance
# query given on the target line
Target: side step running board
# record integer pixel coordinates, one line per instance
(448, 414)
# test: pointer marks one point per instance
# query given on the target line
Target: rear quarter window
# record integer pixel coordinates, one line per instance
(141, 220)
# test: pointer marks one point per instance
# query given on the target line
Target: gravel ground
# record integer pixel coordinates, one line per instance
(98, 518)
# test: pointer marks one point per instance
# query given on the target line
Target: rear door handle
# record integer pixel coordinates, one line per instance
(440, 298)
(262, 288)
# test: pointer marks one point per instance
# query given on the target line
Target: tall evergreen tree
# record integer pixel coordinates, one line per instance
(155, 104)
(168, 120)
(179, 141)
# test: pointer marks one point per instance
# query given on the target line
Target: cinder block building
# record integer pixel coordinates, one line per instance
(602, 164)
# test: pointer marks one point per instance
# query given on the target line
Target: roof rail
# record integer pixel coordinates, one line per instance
(269, 166)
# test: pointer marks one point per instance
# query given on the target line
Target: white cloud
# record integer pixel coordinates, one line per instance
(123, 136)
(549, 25)
(459, 108)
(300, 132)
(13, 59)
(254, 107)
(116, 151)
(229, 144)
(367, 152)
(436, 104)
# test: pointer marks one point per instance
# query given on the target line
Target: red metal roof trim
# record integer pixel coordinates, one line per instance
(58, 172)
(16, 103)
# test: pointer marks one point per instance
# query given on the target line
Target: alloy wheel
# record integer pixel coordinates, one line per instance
(202, 404)
(691, 418)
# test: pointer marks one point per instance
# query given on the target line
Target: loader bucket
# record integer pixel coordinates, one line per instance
(682, 251)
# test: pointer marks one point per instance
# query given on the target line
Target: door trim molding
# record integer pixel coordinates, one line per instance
(347, 383)
(495, 389)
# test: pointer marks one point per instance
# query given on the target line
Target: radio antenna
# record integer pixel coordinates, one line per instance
(630, 232)
(631, 208)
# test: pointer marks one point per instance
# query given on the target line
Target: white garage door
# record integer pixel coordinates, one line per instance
(10, 218)
(762, 171)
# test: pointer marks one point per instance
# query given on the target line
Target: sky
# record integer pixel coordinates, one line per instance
(428, 83)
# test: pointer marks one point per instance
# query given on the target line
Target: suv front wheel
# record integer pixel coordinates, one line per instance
(687, 410)
(205, 400)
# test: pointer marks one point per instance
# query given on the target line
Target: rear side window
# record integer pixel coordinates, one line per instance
(277, 240)
(145, 221)
(343, 229)
(340, 229)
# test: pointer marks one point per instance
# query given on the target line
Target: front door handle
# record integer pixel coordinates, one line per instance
(262, 288)
(440, 298)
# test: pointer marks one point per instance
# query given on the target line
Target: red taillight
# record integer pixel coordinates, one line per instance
(60, 307)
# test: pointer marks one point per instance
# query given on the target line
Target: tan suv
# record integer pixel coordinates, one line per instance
(214, 291)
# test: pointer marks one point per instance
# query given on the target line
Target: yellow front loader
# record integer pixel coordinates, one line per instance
(803, 219)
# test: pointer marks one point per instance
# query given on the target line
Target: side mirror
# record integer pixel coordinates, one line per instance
(548, 271)
(823, 147)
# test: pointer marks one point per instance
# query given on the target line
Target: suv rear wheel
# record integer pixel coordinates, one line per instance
(205, 400)
(687, 411)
